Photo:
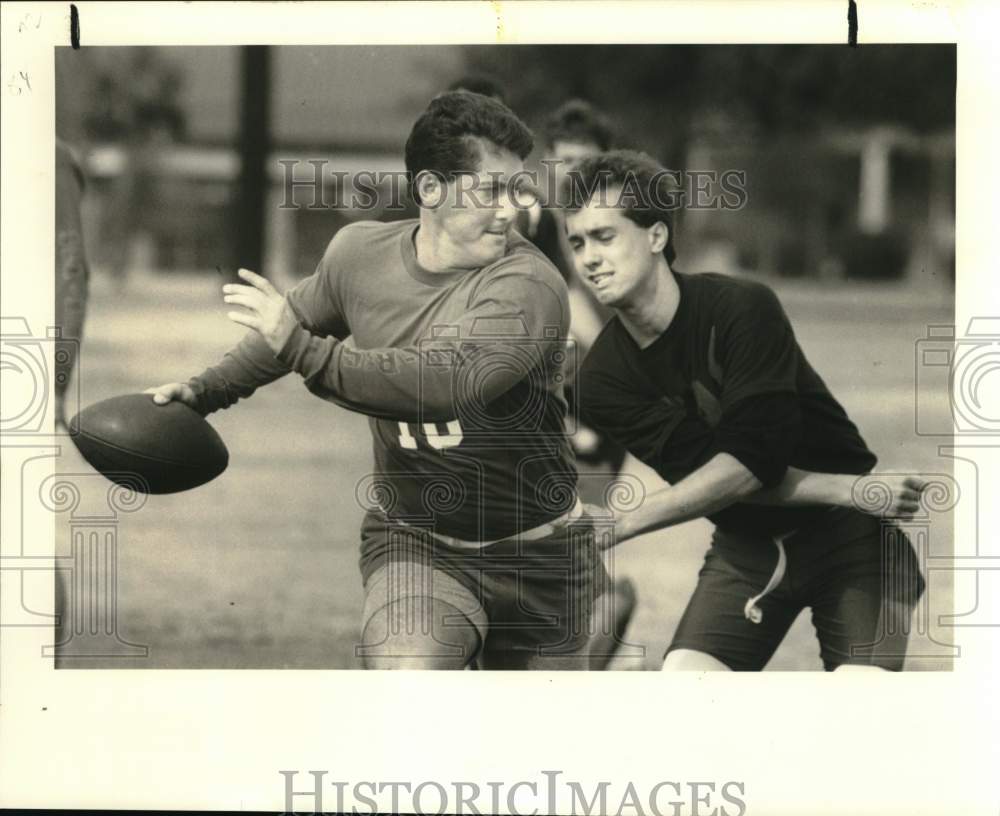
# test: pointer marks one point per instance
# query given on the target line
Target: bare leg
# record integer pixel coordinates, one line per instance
(616, 605)
(690, 660)
(444, 638)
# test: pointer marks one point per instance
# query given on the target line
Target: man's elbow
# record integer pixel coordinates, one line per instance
(770, 474)
(441, 405)
(474, 396)
(753, 472)
(767, 456)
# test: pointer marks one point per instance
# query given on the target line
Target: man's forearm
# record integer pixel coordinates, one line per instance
(722, 481)
(249, 365)
(800, 487)
(411, 384)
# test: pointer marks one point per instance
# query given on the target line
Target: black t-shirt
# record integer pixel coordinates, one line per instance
(727, 375)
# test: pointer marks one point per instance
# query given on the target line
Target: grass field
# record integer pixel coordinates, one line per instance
(258, 569)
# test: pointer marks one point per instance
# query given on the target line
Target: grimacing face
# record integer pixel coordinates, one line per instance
(475, 212)
(613, 255)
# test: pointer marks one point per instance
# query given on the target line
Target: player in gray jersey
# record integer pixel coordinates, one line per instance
(474, 544)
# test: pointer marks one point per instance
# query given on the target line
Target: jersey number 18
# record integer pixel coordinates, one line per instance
(438, 441)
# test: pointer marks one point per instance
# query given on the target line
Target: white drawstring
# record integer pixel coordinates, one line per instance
(751, 611)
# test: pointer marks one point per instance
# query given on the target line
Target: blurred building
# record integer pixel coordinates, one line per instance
(865, 203)
(859, 189)
(350, 107)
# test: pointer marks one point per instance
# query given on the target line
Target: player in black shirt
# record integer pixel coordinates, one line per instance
(701, 377)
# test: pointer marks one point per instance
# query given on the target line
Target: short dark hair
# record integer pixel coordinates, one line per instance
(442, 139)
(480, 84)
(647, 189)
(578, 121)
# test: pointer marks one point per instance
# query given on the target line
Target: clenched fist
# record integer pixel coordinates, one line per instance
(894, 495)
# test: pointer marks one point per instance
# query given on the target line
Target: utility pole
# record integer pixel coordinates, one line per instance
(250, 213)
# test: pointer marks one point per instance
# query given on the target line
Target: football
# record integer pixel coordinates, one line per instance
(151, 448)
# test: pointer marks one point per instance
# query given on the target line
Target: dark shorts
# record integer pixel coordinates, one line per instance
(858, 574)
(528, 600)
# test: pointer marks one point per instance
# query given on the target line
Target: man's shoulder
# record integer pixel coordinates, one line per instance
(359, 234)
(525, 259)
(717, 282)
(726, 294)
(358, 244)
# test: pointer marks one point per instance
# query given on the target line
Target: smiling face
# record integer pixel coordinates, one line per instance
(615, 257)
(473, 214)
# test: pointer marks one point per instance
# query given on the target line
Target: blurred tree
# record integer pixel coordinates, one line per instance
(768, 109)
(135, 97)
(660, 93)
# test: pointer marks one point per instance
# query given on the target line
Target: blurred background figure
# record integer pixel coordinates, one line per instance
(138, 108)
(480, 84)
(72, 273)
(574, 131)
(72, 283)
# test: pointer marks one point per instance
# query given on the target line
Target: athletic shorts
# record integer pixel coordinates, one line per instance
(530, 601)
(858, 574)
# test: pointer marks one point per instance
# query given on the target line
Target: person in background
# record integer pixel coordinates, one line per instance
(72, 272)
(72, 279)
(142, 116)
(575, 131)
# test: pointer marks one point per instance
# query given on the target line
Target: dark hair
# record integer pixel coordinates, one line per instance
(443, 138)
(645, 189)
(480, 84)
(578, 121)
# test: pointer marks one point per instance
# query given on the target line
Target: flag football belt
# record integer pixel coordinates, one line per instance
(534, 534)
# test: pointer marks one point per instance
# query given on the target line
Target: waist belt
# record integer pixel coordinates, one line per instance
(534, 534)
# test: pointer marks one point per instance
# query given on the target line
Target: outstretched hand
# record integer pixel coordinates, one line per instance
(267, 310)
